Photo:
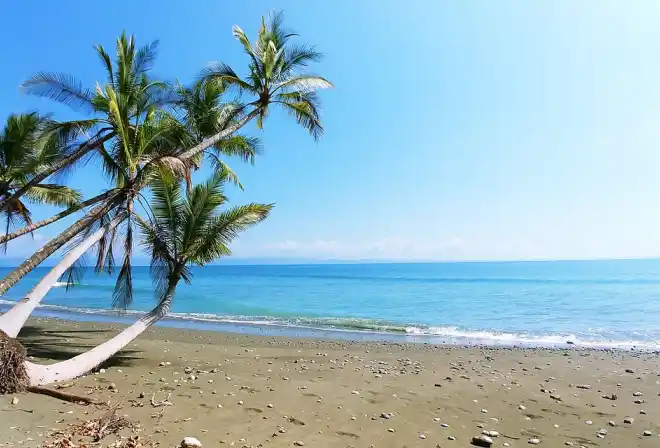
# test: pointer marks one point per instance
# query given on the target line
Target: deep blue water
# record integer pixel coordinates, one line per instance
(591, 303)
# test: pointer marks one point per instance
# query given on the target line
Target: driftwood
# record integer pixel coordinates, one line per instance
(71, 398)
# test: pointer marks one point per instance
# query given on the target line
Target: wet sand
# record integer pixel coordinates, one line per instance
(250, 391)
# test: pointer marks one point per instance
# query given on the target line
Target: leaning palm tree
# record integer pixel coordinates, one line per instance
(26, 148)
(125, 77)
(134, 158)
(119, 107)
(273, 79)
(181, 231)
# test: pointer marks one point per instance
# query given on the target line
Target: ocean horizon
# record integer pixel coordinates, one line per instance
(599, 304)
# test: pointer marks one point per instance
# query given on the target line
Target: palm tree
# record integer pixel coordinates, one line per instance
(181, 232)
(273, 78)
(121, 106)
(128, 80)
(26, 148)
(131, 161)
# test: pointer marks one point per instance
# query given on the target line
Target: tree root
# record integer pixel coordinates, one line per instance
(13, 376)
(71, 398)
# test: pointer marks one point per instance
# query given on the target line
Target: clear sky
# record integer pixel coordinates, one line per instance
(463, 130)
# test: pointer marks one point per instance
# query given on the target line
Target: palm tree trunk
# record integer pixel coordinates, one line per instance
(13, 320)
(56, 243)
(75, 156)
(79, 365)
(63, 214)
(208, 142)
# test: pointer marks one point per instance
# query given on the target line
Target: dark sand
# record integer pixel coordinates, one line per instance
(247, 391)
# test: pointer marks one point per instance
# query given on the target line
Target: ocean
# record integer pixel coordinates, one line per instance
(598, 304)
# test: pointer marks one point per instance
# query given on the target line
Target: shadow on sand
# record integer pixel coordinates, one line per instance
(49, 345)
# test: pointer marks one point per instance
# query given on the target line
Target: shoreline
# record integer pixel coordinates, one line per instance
(262, 327)
(252, 391)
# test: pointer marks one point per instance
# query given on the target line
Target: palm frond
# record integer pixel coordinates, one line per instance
(54, 195)
(304, 84)
(218, 164)
(107, 62)
(225, 75)
(214, 242)
(304, 109)
(122, 296)
(246, 148)
(63, 88)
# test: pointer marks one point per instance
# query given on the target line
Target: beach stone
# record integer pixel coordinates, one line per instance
(190, 442)
(628, 420)
(589, 422)
(484, 411)
(483, 441)
(490, 433)
(451, 438)
(390, 429)
(299, 443)
(637, 394)
(444, 425)
(422, 436)
(611, 423)
(522, 407)
(533, 441)
(386, 415)
(14, 401)
(647, 433)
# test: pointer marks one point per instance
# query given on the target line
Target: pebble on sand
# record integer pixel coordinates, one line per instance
(647, 433)
(190, 442)
(533, 441)
(483, 441)
(14, 401)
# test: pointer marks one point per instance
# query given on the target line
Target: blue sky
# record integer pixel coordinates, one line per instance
(463, 130)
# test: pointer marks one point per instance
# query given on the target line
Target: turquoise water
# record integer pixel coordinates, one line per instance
(589, 303)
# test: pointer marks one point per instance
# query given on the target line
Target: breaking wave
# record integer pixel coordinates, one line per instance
(387, 330)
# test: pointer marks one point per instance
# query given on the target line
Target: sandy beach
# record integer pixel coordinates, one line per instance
(248, 391)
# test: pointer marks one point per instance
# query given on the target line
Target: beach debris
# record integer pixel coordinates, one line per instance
(166, 402)
(390, 429)
(556, 397)
(422, 436)
(612, 397)
(190, 442)
(533, 441)
(583, 386)
(589, 422)
(482, 440)
(14, 401)
(299, 443)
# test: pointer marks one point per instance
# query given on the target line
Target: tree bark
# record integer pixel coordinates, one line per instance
(56, 243)
(79, 365)
(75, 156)
(208, 142)
(63, 214)
(13, 320)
